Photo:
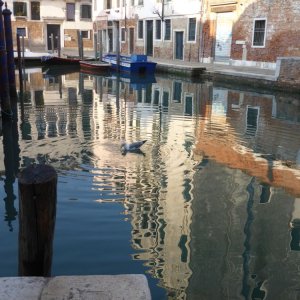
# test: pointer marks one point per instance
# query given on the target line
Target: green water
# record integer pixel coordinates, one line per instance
(203, 210)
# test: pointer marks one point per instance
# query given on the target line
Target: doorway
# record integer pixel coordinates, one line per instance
(179, 45)
(223, 36)
(53, 29)
(149, 38)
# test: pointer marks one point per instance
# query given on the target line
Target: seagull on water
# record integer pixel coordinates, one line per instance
(132, 147)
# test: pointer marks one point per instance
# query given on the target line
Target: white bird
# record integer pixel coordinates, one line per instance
(132, 147)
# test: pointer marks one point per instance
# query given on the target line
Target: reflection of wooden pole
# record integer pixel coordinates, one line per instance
(37, 206)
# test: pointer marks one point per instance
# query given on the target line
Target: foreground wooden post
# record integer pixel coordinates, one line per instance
(4, 84)
(10, 52)
(37, 206)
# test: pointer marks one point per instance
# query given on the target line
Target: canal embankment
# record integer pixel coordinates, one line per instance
(125, 287)
(284, 78)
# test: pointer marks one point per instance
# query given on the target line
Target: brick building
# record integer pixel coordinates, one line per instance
(162, 29)
(37, 21)
(250, 32)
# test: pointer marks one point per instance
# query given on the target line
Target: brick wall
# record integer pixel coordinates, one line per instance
(34, 33)
(282, 35)
(288, 70)
(72, 42)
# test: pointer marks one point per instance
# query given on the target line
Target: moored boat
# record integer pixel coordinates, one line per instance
(135, 63)
(94, 67)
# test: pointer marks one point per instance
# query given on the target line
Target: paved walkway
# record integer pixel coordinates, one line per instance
(211, 68)
(192, 68)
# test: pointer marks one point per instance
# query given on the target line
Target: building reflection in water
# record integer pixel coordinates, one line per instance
(210, 201)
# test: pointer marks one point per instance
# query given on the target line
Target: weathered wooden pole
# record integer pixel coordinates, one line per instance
(10, 52)
(52, 42)
(96, 45)
(4, 86)
(80, 44)
(58, 46)
(37, 212)
(20, 63)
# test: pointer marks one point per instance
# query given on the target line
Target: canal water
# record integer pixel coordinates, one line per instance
(208, 209)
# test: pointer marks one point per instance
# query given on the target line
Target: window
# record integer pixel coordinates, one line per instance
(140, 2)
(192, 29)
(21, 31)
(141, 29)
(35, 11)
(259, 33)
(158, 29)
(85, 34)
(123, 34)
(20, 9)
(70, 11)
(85, 11)
(132, 2)
(167, 30)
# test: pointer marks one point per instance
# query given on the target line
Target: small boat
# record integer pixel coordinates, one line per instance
(32, 57)
(136, 63)
(56, 60)
(94, 67)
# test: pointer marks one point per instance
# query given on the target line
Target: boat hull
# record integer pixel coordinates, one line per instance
(130, 64)
(94, 67)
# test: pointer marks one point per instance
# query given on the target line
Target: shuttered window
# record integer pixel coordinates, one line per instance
(20, 9)
(158, 29)
(167, 30)
(85, 11)
(141, 29)
(70, 11)
(35, 11)
(192, 29)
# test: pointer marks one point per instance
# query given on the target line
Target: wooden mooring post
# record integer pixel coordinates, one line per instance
(10, 52)
(4, 86)
(37, 213)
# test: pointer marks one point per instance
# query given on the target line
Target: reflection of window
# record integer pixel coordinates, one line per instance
(156, 97)
(141, 29)
(167, 29)
(21, 31)
(259, 33)
(85, 11)
(70, 11)
(20, 9)
(192, 29)
(252, 120)
(39, 98)
(140, 2)
(158, 29)
(165, 100)
(72, 95)
(35, 11)
(188, 107)
(177, 90)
